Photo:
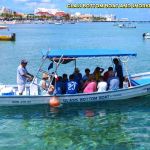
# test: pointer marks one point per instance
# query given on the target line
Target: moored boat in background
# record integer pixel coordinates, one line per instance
(11, 37)
(126, 25)
(3, 27)
(146, 35)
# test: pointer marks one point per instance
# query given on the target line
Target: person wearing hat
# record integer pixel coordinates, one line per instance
(23, 76)
(44, 89)
(43, 82)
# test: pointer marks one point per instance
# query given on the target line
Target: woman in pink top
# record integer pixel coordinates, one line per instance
(91, 86)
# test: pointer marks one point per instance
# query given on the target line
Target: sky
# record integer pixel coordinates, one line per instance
(28, 6)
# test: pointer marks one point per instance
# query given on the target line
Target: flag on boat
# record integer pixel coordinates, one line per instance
(50, 66)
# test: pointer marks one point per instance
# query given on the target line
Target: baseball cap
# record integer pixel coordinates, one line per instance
(23, 61)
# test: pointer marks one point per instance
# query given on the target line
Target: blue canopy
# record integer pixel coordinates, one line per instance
(87, 53)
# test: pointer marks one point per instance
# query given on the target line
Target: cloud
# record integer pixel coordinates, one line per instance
(21, 0)
(45, 1)
(69, 1)
(42, 4)
(34, 1)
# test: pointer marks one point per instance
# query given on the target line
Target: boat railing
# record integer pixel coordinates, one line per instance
(51, 76)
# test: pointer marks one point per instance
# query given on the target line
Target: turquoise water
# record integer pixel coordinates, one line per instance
(108, 125)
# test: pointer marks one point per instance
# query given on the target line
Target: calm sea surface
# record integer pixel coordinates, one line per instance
(100, 126)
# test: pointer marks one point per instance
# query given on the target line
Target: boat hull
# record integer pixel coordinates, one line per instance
(147, 37)
(121, 94)
(3, 27)
(8, 37)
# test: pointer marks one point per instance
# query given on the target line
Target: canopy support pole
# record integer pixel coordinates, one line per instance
(75, 64)
(55, 72)
(126, 69)
(43, 61)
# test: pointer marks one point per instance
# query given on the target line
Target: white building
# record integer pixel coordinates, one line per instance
(110, 17)
(5, 10)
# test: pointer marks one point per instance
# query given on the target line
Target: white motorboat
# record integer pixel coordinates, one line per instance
(3, 27)
(127, 25)
(146, 35)
(140, 83)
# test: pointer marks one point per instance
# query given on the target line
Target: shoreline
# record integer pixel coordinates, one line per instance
(62, 22)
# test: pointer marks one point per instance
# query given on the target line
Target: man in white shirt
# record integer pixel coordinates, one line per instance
(22, 76)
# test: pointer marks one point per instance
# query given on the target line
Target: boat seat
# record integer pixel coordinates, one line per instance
(140, 80)
(134, 83)
(143, 81)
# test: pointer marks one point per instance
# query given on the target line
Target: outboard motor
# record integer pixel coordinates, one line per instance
(13, 36)
(144, 35)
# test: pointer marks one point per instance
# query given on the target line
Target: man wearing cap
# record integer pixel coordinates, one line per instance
(23, 76)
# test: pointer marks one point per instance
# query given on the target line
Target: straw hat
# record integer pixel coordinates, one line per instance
(44, 76)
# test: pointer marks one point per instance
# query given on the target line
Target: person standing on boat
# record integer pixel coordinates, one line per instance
(23, 76)
(119, 71)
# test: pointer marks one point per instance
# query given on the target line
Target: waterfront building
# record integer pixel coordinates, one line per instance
(45, 10)
(109, 17)
(44, 14)
(86, 17)
(5, 10)
(82, 17)
(51, 13)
